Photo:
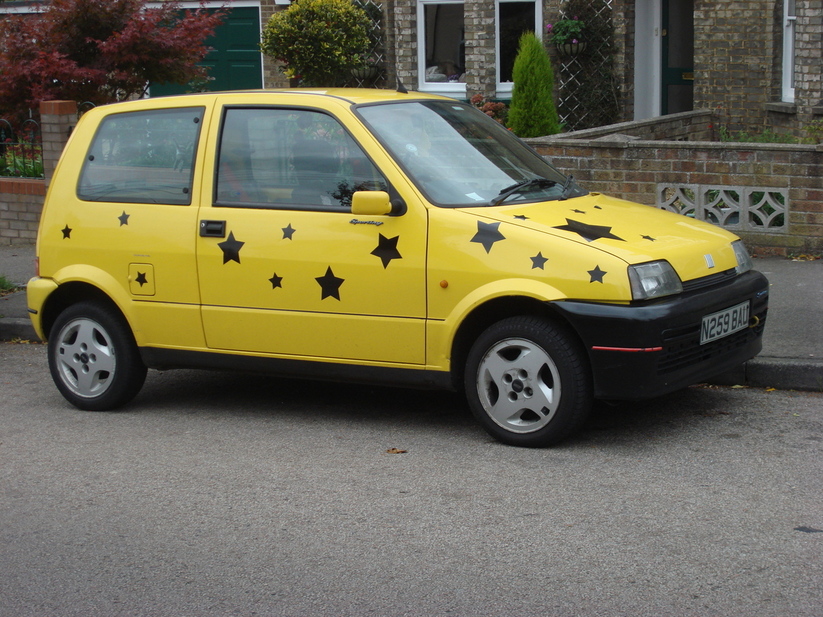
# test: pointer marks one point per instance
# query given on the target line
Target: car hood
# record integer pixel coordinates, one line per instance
(632, 232)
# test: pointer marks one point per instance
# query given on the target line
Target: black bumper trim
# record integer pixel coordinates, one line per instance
(669, 333)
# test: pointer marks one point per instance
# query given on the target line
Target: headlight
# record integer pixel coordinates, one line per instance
(653, 280)
(744, 261)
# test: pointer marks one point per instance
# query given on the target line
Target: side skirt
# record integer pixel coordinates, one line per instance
(164, 359)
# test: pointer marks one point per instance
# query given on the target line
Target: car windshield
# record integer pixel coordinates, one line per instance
(460, 157)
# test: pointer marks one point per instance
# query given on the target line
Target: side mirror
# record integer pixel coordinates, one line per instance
(371, 203)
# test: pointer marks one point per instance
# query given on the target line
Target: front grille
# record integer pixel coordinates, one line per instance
(708, 281)
(682, 347)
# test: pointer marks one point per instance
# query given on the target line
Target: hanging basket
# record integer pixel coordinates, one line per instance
(570, 49)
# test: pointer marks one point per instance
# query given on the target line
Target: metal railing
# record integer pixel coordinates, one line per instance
(21, 149)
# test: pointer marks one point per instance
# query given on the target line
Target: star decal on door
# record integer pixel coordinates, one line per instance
(276, 281)
(231, 249)
(596, 275)
(387, 250)
(124, 218)
(288, 232)
(487, 234)
(538, 261)
(329, 284)
(589, 232)
(66, 232)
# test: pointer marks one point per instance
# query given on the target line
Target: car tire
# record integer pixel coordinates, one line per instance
(528, 382)
(93, 358)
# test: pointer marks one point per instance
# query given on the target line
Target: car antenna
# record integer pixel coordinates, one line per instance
(400, 87)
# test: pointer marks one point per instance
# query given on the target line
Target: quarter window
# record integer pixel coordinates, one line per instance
(143, 157)
(289, 158)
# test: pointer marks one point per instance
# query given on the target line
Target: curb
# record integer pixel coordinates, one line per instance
(17, 328)
(760, 372)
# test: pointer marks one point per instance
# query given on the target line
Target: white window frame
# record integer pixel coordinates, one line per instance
(449, 88)
(789, 53)
(504, 88)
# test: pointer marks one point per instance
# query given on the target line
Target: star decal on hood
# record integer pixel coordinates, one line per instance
(589, 232)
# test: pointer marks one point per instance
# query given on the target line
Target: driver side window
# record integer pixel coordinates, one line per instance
(292, 159)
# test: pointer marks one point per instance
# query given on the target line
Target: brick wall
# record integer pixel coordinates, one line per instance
(636, 169)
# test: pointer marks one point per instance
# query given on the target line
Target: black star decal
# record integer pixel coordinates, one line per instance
(538, 261)
(597, 275)
(124, 218)
(275, 281)
(330, 285)
(487, 234)
(288, 232)
(649, 238)
(231, 249)
(521, 217)
(589, 232)
(66, 232)
(141, 278)
(387, 250)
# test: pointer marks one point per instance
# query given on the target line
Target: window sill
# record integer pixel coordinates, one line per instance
(782, 108)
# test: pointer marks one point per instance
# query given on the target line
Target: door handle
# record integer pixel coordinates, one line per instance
(213, 229)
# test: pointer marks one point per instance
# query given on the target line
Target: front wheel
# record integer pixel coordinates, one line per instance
(528, 382)
(93, 358)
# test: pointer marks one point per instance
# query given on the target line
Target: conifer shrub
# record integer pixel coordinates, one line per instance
(532, 112)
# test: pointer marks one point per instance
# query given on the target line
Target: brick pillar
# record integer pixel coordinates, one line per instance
(478, 20)
(57, 119)
(272, 75)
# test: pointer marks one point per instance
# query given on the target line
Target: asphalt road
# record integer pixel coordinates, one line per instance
(218, 494)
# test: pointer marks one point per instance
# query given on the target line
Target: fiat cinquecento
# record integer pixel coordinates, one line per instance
(374, 236)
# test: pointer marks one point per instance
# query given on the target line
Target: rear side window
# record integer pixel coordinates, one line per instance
(143, 157)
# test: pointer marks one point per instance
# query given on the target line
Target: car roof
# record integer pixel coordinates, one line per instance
(354, 96)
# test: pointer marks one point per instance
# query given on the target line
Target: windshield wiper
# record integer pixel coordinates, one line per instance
(519, 186)
(568, 185)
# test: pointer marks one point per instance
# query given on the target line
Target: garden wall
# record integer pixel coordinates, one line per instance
(769, 194)
(21, 199)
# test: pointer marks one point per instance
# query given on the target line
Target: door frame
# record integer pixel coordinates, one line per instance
(648, 58)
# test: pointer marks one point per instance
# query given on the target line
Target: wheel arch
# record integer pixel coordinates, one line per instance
(496, 309)
(70, 293)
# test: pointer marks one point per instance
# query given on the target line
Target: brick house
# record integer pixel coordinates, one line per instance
(756, 63)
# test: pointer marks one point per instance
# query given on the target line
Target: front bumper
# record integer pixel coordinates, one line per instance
(643, 351)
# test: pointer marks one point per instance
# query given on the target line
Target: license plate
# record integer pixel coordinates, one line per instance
(725, 322)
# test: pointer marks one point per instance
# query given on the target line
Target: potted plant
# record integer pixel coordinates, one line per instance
(567, 35)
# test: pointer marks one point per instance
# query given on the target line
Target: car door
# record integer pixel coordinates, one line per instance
(284, 266)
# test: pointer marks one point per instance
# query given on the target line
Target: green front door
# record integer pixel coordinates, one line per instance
(234, 62)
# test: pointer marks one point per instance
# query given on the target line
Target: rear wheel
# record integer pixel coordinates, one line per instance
(528, 382)
(93, 358)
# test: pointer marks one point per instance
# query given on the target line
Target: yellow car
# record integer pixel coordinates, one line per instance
(374, 236)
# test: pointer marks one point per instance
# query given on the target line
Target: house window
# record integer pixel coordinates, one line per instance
(789, 25)
(441, 46)
(513, 19)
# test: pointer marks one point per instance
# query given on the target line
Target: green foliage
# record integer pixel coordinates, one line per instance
(532, 112)
(6, 286)
(565, 31)
(318, 41)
